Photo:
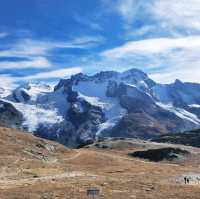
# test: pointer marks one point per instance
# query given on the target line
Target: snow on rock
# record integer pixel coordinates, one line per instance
(94, 101)
(109, 124)
(44, 107)
(34, 116)
(194, 106)
(181, 113)
(95, 93)
(32, 91)
(107, 93)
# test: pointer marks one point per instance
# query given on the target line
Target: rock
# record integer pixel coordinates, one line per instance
(10, 116)
(160, 154)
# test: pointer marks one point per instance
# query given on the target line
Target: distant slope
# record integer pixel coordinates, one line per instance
(191, 138)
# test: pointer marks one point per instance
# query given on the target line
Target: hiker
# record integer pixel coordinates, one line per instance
(185, 179)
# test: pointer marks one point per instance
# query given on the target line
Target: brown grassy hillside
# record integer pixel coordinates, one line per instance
(33, 168)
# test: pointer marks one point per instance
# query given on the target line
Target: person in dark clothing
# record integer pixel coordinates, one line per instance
(185, 179)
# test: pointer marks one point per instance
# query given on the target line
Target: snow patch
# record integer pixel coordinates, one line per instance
(194, 106)
(45, 107)
(95, 93)
(94, 101)
(34, 116)
(181, 113)
(108, 125)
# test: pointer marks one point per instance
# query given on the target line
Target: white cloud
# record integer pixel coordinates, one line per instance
(37, 51)
(36, 62)
(170, 58)
(29, 47)
(141, 31)
(176, 14)
(87, 41)
(88, 22)
(7, 81)
(167, 16)
(3, 34)
(185, 74)
(153, 46)
(169, 38)
(61, 73)
(127, 9)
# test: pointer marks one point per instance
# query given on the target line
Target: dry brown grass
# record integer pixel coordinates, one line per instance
(33, 168)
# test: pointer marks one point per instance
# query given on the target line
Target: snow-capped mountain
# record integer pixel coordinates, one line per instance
(78, 109)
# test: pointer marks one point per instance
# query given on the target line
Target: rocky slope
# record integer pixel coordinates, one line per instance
(79, 109)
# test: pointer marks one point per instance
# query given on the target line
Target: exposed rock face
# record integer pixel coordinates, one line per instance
(83, 107)
(112, 89)
(10, 116)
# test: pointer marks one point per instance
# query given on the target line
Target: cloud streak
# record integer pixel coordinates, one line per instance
(176, 14)
(7, 81)
(29, 47)
(154, 46)
(37, 62)
(3, 34)
(38, 51)
(61, 73)
(169, 58)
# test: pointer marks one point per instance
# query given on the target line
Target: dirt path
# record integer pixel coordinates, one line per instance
(28, 181)
(77, 155)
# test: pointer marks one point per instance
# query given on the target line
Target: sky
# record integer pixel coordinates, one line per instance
(45, 40)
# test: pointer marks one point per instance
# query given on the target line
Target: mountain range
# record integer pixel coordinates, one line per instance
(108, 104)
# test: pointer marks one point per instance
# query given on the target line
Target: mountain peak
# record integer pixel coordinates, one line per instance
(134, 70)
(136, 73)
(177, 81)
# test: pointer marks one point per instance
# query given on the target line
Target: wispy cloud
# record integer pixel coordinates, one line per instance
(172, 17)
(37, 62)
(7, 81)
(29, 47)
(185, 74)
(176, 14)
(3, 34)
(87, 41)
(127, 9)
(38, 51)
(169, 58)
(61, 73)
(153, 46)
(10, 82)
(88, 22)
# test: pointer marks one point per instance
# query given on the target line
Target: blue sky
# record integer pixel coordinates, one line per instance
(44, 40)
